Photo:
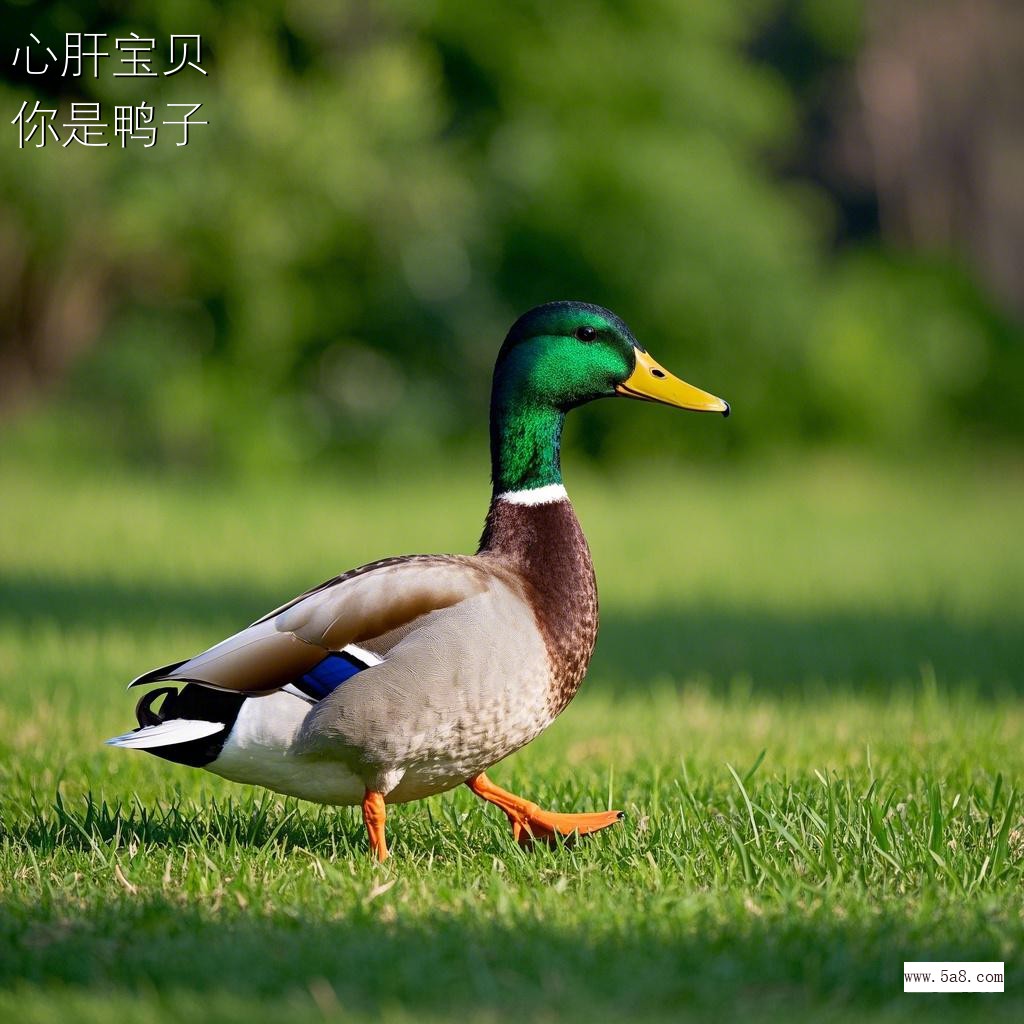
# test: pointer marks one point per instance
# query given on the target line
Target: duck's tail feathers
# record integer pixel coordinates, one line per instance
(176, 730)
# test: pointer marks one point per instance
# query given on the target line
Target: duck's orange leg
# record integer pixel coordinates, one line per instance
(374, 815)
(529, 822)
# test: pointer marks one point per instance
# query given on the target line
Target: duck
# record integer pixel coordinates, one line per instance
(411, 675)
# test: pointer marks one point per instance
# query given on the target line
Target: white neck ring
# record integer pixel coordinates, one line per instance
(536, 495)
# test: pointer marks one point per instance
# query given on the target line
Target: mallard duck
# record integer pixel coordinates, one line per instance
(412, 675)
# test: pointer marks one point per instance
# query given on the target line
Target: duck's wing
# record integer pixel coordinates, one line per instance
(348, 610)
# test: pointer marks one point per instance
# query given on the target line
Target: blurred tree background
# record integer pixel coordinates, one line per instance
(812, 207)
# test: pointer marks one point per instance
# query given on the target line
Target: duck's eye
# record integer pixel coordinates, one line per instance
(586, 333)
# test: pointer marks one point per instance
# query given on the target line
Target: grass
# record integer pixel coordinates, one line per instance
(806, 695)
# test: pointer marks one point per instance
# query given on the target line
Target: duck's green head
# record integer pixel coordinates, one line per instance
(558, 356)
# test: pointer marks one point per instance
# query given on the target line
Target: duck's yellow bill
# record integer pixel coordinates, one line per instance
(652, 382)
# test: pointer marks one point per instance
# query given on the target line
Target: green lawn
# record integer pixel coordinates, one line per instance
(807, 696)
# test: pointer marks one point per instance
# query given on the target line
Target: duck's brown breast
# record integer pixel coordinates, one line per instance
(544, 546)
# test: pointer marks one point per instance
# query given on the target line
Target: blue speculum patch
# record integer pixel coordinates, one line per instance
(329, 674)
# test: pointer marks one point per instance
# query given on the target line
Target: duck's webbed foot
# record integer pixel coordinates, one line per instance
(530, 822)
(374, 816)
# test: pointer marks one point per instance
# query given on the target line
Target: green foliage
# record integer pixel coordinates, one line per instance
(820, 754)
(331, 264)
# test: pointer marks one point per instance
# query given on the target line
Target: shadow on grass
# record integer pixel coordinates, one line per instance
(656, 962)
(253, 822)
(780, 654)
(776, 652)
(104, 604)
